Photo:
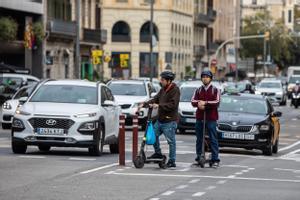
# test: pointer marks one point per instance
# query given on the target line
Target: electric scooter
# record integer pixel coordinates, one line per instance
(141, 158)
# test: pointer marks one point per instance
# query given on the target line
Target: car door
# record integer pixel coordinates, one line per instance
(115, 111)
(107, 112)
(275, 122)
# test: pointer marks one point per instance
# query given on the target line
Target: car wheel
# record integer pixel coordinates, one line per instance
(114, 148)
(18, 147)
(181, 131)
(44, 148)
(6, 126)
(275, 147)
(97, 148)
(268, 149)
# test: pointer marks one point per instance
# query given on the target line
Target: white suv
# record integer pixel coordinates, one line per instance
(67, 113)
(129, 93)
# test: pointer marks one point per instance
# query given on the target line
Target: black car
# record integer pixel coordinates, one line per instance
(248, 121)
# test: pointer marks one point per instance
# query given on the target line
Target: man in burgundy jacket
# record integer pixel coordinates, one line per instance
(207, 98)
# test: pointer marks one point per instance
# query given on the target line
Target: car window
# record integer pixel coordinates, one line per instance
(23, 92)
(243, 105)
(270, 85)
(66, 94)
(186, 93)
(103, 95)
(130, 89)
(31, 81)
(109, 94)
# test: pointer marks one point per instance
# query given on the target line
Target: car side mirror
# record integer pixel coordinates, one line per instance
(22, 100)
(108, 103)
(153, 94)
(277, 114)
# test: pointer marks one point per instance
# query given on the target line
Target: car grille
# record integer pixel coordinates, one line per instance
(60, 123)
(7, 117)
(227, 127)
(188, 113)
(268, 94)
(125, 106)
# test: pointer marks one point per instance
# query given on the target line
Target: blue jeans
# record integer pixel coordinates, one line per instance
(212, 133)
(169, 131)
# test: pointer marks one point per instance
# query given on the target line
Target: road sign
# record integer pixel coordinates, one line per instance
(97, 53)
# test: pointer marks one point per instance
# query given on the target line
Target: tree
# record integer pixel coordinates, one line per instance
(8, 29)
(281, 43)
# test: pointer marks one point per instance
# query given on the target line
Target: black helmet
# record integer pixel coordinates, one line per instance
(168, 75)
(248, 86)
(207, 73)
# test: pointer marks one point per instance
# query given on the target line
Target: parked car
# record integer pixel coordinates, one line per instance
(128, 94)
(67, 113)
(272, 89)
(187, 113)
(248, 121)
(10, 106)
(10, 83)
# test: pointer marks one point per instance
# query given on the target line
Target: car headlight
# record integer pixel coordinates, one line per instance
(257, 92)
(88, 126)
(21, 112)
(279, 93)
(85, 115)
(264, 127)
(6, 106)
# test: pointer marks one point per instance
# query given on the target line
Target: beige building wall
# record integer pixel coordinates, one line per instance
(167, 15)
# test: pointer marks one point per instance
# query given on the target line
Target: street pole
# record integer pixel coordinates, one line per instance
(77, 48)
(265, 52)
(151, 45)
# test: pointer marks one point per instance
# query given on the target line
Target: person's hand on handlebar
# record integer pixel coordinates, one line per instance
(154, 105)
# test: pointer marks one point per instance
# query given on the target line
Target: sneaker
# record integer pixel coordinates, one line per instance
(215, 164)
(197, 159)
(156, 156)
(171, 164)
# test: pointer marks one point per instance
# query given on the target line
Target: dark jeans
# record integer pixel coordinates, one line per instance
(169, 131)
(212, 133)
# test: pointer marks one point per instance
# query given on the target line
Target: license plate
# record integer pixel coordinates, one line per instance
(50, 131)
(190, 120)
(238, 136)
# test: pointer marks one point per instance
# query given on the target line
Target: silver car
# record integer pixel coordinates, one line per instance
(273, 90)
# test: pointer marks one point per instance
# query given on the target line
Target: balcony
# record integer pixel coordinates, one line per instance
(120, 38)
(206, 19)
(95, 35)
(199, 50)
(62, 29)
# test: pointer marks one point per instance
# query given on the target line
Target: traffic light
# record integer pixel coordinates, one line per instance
(267, 35)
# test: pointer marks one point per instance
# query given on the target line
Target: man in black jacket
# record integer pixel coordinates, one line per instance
(167, 101)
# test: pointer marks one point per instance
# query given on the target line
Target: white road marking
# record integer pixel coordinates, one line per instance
(221, 182)
(289, 147)
(82, 159)
(290, 170)
(210, 187)
(291, 156)
(38, 157)
(154, 199)
(194, 181)
(119, 170)
(212, 177)
(239, 173)
(251, 168)
(110, 172)
(99, 168)
(245, 171)
(167, 193)
(294, 119)
(231, 176)
(198, 194)
(181, 187)
(235, 166)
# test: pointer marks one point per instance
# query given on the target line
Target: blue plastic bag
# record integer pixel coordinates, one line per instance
(150, 134)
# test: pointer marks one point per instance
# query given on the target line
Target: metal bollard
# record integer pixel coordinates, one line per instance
(135, 130)
(122, 140)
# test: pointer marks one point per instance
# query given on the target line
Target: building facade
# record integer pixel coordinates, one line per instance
(127, 24)
(23, 49)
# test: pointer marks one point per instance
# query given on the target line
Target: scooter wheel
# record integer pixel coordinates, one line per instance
(139, 162)
(202, 162)
(162, 164)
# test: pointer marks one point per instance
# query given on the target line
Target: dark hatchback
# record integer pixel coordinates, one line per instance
(248, 121)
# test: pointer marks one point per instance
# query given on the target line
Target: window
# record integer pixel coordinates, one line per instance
(254, 2)
(122, 1)
(145, 32)
(109, 94)
(290, 16)
(59, 9)
(121, 32)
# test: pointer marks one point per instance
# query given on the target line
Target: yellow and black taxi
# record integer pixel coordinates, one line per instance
(248, 121)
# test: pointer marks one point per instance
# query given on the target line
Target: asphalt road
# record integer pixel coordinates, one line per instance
(70, 173)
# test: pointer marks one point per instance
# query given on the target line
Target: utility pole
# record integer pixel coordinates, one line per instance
(151, 40)
(77, 48)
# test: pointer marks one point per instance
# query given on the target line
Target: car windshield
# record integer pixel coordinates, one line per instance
(129, 89)
(186, 93)
(293, 79)
(269, 85)
(232, 86)
(66, 94)
(23, 92)
(243, 105)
